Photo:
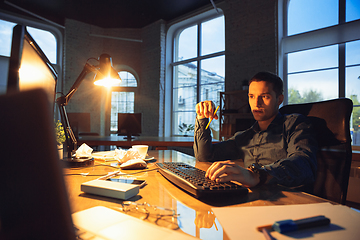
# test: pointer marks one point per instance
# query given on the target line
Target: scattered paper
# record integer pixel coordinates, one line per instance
(241, 222)
(83, 151)
(126, 155)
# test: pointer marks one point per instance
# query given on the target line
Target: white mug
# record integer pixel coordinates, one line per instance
(142, 149)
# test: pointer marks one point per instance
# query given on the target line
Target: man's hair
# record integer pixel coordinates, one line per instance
(270, 78)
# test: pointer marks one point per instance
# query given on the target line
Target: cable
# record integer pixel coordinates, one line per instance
(119, 174)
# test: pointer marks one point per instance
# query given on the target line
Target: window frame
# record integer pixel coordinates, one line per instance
(338, 34)
(173, 32)
(55, 30)
(124, 89)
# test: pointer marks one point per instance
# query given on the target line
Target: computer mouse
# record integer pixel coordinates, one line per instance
(133, 164)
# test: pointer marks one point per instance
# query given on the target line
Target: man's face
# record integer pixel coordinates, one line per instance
(263, 101)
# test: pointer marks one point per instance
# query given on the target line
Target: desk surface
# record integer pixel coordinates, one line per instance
(196, 217)
(151, 141)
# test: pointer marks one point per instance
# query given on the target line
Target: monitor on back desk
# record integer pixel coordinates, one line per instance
(129, 124)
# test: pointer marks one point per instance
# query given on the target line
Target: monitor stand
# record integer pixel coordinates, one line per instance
(77, 162)
(129, 137)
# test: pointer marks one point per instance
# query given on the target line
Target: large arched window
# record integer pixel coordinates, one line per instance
(196, 68)
(320, 52)
(122, 98)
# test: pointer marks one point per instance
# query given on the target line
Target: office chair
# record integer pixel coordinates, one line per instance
(331, 123)
(33, 197)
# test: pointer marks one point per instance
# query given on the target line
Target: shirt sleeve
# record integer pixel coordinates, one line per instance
(300, 165)
(206, 151)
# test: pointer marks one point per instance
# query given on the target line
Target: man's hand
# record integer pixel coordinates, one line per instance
(225, 171)
(206, 109)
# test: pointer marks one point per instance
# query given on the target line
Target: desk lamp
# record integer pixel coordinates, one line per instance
(105, 75)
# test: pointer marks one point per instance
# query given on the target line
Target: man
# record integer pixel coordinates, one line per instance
(276, 149)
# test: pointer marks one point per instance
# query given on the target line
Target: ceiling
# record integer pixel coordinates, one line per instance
(106, 13)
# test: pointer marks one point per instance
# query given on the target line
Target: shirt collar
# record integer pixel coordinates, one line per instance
(277, 121)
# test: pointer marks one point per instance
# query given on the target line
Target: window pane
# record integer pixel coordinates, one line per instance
(181, 118)
(353, 92)
(127, 79)
(121, 102)
(312, 86)
(352, 53)
(6, 29)
(212, 82)
(319, 58)
(185, 86)
(352, 10)
(184, 92)
(212, 79)
(352, 81)
(187, 44)
(46, 41)
(212, 36)
(308, 15)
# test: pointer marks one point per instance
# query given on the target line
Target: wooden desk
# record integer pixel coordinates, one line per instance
(196, 216)
(151, 141)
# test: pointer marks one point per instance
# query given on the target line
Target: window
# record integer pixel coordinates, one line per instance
(48, 38)
(122, 98)
(5, 37)
(198, 67)
(45, 39)
(320, 53)
(313, 75)
(352, 80)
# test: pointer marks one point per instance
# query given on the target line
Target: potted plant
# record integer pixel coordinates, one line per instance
(184, 128)
(60, 137)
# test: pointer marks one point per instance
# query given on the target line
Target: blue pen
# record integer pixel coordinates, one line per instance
(293, 225)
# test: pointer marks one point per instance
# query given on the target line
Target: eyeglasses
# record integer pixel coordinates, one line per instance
(165, 217)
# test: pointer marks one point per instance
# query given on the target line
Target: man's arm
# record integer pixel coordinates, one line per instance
(206, 151)
(202, 136)
(202, 141)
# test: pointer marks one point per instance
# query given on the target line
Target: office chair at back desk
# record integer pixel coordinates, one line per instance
(331, 121)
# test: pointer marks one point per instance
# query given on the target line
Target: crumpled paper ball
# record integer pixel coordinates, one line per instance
(126, 155)
(83, 151)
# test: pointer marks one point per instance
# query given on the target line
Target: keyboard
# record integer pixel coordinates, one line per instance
(193, 181)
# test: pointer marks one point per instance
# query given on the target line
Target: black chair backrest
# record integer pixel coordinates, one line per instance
(331, 122)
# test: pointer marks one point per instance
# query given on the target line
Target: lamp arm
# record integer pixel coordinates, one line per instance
(71, 142)
(87, 69)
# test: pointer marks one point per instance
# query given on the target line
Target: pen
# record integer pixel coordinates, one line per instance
(293, 225)
(211, 118)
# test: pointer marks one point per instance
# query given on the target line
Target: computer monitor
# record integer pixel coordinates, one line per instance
(29, 68)
(129, 124)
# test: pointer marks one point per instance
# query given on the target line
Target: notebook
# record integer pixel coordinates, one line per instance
(105, 223)
(33, 200)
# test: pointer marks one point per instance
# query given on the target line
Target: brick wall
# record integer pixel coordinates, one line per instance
(82, 41)
(251, 46)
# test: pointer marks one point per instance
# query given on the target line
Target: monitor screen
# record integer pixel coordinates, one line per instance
(29, 68)
(129, 124)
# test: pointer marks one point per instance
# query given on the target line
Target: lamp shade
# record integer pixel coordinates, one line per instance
(106, 75)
